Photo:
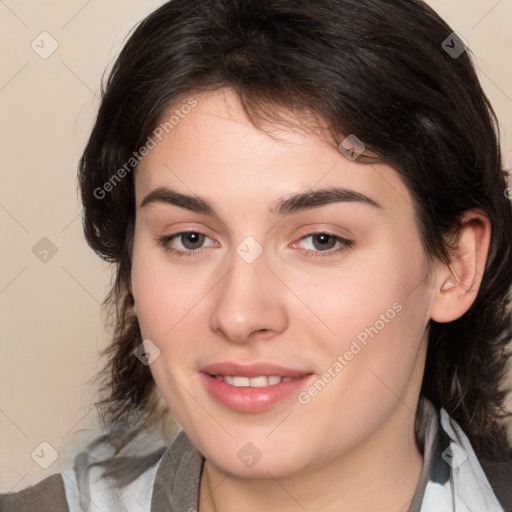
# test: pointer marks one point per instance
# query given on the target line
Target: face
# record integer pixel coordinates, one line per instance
(280, 321)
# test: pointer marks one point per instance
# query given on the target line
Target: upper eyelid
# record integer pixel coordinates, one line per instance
(343, 241)
(182, 233)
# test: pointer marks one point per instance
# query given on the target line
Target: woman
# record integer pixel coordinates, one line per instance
(306, 208)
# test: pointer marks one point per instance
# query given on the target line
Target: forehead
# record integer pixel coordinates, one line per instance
(213, 150)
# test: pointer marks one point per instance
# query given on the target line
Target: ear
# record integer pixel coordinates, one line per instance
(457, 284)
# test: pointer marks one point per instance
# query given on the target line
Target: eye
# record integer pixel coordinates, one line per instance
(188, 243)
(322, 243)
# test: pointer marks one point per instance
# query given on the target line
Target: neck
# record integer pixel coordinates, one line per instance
(380, 474)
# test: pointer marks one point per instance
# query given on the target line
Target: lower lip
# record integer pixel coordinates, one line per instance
(249, 399)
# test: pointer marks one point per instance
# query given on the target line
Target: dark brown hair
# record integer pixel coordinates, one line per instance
(374, 68)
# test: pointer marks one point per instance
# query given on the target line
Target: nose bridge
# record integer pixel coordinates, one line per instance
(248, 298)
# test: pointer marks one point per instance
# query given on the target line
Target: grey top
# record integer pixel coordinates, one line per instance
(176, 487)
(451, 479)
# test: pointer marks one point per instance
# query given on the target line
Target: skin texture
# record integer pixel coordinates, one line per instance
(351, 447)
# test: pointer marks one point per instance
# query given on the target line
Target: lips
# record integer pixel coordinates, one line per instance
(252, 370)
(254, 387)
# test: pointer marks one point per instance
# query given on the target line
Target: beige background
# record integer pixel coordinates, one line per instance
(51, 328)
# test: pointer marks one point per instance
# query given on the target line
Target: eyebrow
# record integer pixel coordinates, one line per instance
(296, 203)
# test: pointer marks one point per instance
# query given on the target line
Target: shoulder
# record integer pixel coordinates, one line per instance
(94, 479)
(476, 479)
(166, 476)
(499, 475)
(48, 495)
(99, 479)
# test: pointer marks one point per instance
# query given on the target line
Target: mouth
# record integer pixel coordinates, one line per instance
(254, 387)
(261, 381)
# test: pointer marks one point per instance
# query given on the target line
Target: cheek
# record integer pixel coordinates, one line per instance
(164, 294)
(367, 292)
(377, 314)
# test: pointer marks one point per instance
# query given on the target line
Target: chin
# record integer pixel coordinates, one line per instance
(258, 469)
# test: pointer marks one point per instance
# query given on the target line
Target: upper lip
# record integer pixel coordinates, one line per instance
(252, 370)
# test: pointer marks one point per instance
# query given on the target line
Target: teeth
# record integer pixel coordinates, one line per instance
(259, 382)
(253, 382)
(240, 381)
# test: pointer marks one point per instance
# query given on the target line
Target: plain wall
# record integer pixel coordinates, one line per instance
(51, 283)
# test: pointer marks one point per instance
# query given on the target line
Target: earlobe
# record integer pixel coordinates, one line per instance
(457, 283)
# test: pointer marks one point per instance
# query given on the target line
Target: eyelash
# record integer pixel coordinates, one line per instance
(343, 245)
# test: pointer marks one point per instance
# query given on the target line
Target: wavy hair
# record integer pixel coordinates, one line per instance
(378, 69)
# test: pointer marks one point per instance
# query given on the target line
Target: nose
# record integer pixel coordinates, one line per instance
(249, 302)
